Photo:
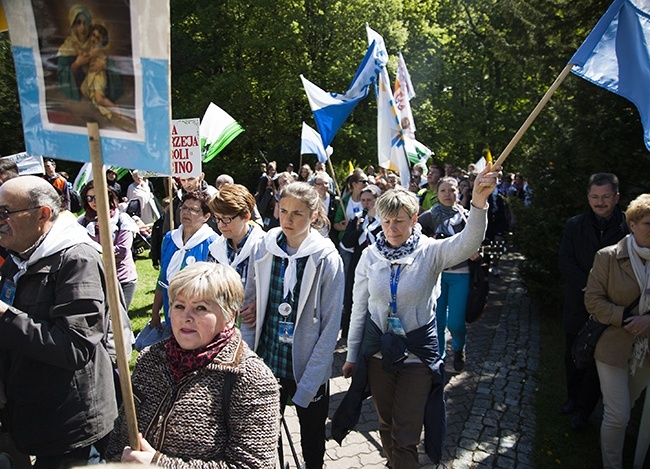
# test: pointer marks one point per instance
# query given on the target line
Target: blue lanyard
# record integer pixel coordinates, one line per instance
(394, 280)
(289, 299)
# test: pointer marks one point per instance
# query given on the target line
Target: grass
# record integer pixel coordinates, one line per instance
(555, 444)
(140, 309)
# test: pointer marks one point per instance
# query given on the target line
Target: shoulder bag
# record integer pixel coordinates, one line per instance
(585, 342)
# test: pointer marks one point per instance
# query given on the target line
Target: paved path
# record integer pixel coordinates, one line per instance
(490, 406)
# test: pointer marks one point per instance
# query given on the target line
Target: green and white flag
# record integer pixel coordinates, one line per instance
(217, 130)
(416, 151)
(85, 175)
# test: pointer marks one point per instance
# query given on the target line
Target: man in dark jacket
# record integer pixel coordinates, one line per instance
(603, 224)
(54, 365)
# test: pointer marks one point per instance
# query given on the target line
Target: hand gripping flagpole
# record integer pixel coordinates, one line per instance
(106, 238)
(533, 115)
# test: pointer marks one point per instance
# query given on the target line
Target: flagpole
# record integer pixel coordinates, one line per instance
(533, 115)
(112, 287)
(336, 186)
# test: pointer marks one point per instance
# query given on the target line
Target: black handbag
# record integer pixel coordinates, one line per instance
(479, 288)
(585, 342)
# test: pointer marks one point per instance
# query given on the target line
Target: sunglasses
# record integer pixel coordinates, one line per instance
(90, 198)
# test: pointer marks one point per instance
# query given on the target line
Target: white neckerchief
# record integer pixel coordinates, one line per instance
(197, 238)
(313, 243)
(65, 232)
(642, 274)
(368, 228)
(219, 251)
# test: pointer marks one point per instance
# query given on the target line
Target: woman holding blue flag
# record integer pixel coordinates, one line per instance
(393, 339)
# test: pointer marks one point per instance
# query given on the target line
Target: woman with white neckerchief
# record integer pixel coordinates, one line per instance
(442, 221)
(187, 244)
(360, 232)
(295, 281)
(232, 207)
(619, 278)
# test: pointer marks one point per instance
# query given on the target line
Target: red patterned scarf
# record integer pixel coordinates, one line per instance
(182, 362)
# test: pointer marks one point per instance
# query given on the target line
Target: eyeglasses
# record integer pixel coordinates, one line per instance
(225, 220)
(194, 211)
(4, 214)
(90, 198)
(363, 181)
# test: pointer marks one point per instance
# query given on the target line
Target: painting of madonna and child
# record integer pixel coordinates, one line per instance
(87, 61)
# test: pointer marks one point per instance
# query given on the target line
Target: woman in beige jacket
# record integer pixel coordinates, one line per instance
(620, 275)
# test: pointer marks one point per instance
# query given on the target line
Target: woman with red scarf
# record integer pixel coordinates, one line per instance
(203, 398)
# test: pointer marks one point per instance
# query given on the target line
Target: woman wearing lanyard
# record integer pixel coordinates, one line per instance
(395, 319)
(294, 294)
(185, 245)
(232, 207)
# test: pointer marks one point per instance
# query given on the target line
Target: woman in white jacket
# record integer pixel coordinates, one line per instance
(296, 283)
(392, 341)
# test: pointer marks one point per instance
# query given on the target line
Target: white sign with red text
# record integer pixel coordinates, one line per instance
(186, 151)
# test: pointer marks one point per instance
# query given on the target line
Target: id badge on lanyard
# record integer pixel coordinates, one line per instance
(285, 327)
(394, 323)
(8, 294)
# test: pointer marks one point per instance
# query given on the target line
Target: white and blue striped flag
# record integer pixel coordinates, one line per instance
(332, 109)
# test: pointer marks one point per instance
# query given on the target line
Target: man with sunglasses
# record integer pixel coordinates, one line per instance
(55, 370)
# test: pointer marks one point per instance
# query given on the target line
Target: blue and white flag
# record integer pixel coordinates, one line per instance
(332, 109)
(311, 143)
(616, 55)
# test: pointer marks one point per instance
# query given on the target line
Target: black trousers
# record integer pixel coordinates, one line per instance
(312, 422)
(583, 386)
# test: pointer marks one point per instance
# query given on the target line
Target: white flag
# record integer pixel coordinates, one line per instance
(403, 93)
(311, 143)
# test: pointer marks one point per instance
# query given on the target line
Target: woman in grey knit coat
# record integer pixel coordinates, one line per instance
(179, 384)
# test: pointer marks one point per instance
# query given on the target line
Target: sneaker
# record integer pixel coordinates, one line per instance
(459, 360)
(495, 271)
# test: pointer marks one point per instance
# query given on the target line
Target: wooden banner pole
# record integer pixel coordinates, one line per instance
(533, 115)
(336, 186)
(106, 238)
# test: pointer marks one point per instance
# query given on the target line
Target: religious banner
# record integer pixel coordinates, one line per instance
(186, 150)
(105, 62)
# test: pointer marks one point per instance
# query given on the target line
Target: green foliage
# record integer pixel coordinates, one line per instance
(10, 120)
(479, 68)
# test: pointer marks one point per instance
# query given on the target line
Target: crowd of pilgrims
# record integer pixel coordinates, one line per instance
(262, 287)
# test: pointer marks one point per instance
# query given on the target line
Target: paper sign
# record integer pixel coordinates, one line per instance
(186, 151)
(104, 62)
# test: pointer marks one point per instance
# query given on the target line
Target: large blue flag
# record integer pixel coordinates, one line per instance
(616, 55)
(332, 109)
